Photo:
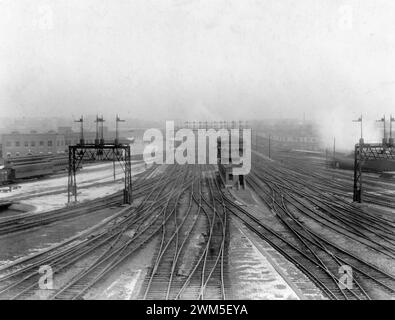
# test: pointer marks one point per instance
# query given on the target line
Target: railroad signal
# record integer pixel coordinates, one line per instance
(360, 120)
(99, 151)
(81, 120)
(97, 128)
(383, 121)
(392, 119)
(391, 141)
(366, 152)
(117, 119)
(101, 129)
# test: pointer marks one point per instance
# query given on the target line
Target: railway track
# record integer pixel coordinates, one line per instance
(178, 273)
(315, 260)
(179, 205)
(27, 221)
(322, 187)
(106, 246)
(339, 182)
(294, 202)
(185, 210)
(342, 218)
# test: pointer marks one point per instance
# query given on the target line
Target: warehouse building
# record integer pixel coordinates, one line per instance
(18, 144)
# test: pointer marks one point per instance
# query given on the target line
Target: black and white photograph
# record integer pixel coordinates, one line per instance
(214, 151)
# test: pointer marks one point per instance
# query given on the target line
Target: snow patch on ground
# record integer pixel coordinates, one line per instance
(123, 287)
(86, 187)
(87, 175)
(255, 277)
(57, 201)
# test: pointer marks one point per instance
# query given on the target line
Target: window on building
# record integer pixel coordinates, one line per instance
(17, 143)
(26, 143)
(49, 143)
(41, 143)
(33, 143)
(8, 144)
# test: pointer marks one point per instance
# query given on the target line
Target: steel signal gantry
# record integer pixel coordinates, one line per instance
(99, 151)
(363, 152)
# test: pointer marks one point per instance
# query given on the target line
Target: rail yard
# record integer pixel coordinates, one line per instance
(194, 158)
(291, 232)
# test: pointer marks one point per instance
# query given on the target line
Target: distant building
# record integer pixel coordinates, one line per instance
(16, 144)
(24, 144)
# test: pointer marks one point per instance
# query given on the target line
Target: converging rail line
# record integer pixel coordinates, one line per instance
(180, 206)
(297, 204)
(184, 211)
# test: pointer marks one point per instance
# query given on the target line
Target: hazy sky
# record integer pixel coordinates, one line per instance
(165, 59)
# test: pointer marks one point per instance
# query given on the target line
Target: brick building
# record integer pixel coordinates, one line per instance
(16, 144)
(24, 144)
